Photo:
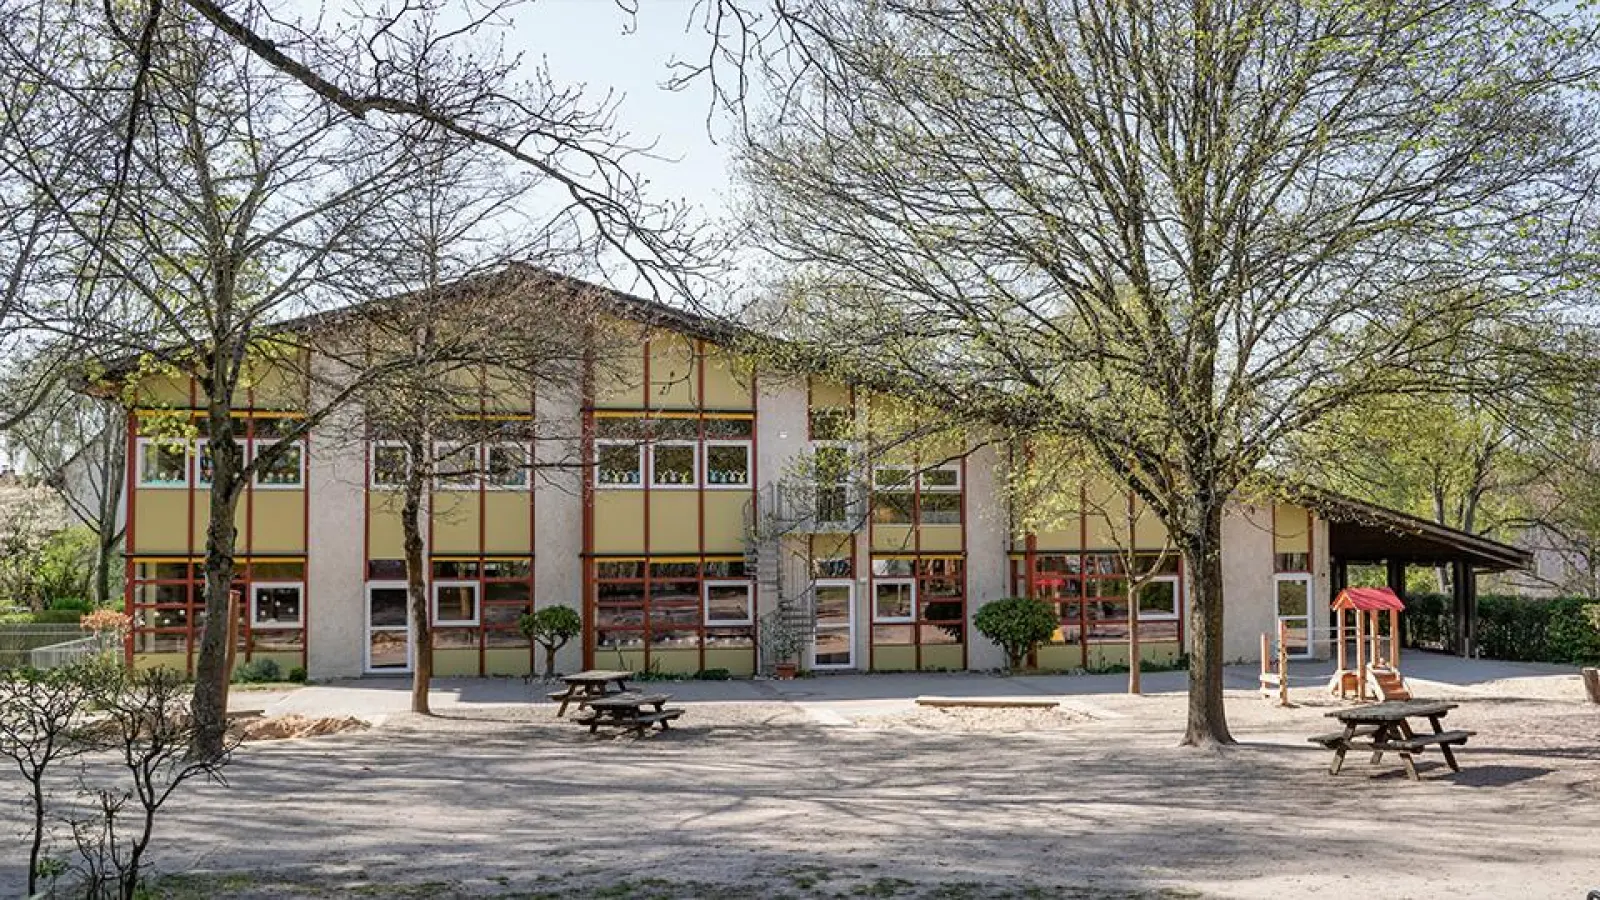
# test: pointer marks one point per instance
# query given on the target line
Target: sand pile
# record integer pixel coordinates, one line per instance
(279, 728)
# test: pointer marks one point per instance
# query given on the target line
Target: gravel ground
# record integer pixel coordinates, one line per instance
(782, 798)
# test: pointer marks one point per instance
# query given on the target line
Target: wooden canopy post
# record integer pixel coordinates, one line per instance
(1283, 663)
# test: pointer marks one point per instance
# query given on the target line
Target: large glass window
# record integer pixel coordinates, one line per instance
(163, 464)
(277, 605)
(893, 601)
(619, 464)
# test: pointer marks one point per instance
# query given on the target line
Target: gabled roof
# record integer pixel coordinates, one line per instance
(1368, 599)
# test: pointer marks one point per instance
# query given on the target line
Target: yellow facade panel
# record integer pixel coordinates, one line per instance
(507, 391)
(674, 522)
(725, 516)
(280, 522)
(894, 659)
(1291, 529)
(455, 522)
(619, 522)
(624, 660)
(675, 662)
(619, 366)
(1059, 657)
(270, 382)
(942, 657)
(941, 538)
(506, 661)
(827, 394)
(740, 663)
(455, 662)
(892, 539)
(385, 536)
(1069, 539)
(507, 523)
(1148, 532)
(160, 521)
(832, 546)
(728, 380)
(162, 391)
(674, 371)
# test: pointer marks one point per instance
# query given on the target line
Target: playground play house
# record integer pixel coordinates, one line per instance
(1360, 617)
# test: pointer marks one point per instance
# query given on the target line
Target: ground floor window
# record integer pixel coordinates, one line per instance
(166, 601)
(672, 614)
(1089, 593)
(918, 612)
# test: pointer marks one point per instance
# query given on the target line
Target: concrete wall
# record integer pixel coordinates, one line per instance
(1248, 593)
(988, 526)
(336, 615)
(558, 513)
(781, 440)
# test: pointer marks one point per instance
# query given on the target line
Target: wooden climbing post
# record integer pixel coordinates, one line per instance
(1394, 640)
(1361, 655)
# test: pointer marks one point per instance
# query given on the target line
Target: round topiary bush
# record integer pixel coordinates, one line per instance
(1017, 625)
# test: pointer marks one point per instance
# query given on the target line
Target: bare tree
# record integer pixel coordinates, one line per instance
(41, 721)
(1184, 233)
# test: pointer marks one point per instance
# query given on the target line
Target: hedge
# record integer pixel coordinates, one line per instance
(1558, 630)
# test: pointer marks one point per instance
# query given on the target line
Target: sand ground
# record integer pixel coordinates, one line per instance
(844, 788)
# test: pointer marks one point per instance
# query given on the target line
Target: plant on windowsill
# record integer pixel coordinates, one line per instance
(784, 641)
(551, 628)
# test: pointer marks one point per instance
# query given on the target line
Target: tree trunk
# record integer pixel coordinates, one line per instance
(417, 583)
(1202, 551)
(210, 703)
(550, 659)
(1134, 686)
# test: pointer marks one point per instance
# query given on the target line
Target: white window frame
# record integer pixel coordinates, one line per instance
(299, 586)
(1177, 600)
(298, 446)
(372, 463)
(1310, 614)
(694, 466)
(905, 487)
(477, 602)
(749, 464)
(749, 606)
(638, 450)
(526, 468)
(894, 620)
(200, 444)
(188, 464)
(473, 482)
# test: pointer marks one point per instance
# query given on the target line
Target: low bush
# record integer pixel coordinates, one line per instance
(258, 671)
(1521, 629)
(298, 674)
(1017, 625)
(713, 675)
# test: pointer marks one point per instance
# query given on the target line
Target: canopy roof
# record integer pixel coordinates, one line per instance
(1368, 599)
(1365, 532)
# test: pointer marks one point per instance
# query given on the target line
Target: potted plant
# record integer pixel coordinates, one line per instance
(785, 642)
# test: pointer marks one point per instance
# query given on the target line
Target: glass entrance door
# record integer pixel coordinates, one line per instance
(1294, 610)
(835, 646)
(388, 629)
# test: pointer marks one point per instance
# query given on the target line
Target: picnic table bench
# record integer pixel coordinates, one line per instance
(627, 712)
(1383, 728)
(583, 687)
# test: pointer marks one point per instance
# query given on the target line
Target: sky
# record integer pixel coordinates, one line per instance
(584, 42)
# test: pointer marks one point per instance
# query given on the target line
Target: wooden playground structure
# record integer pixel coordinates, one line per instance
(1375, 673)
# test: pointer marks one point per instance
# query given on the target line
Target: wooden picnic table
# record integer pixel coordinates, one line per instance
(627, 712)
(1384, 728)
(583, 687)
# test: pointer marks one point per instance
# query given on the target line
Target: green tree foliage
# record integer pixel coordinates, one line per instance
(1016, 625)
(551, 627)
(1184, 233)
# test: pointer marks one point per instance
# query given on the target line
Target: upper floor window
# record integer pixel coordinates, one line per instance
(727, 464)
(163, 464)
(831, 423)
(506, 466)
(390, 465)
(455, 467)
(288, 471)
(672, 465)
(619, 464)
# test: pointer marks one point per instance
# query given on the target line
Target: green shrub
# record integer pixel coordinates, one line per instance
(1519, 629)
(71, 604)
(258, 671)
(551, 628)
(713, 675)
(1017, 625)
(298, 674)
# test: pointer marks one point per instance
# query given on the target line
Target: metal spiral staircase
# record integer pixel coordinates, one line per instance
(783, 510)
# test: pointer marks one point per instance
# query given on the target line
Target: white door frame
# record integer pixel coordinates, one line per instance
(1308, 618)
(849, 585)
(366, 631)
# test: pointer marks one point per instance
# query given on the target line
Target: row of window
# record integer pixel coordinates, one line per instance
(718, 464)
(456, 466)
(167, 464)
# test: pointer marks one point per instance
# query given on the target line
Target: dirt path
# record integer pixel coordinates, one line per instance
(766, 800)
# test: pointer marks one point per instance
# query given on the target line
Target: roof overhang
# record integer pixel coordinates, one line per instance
(1359, 531)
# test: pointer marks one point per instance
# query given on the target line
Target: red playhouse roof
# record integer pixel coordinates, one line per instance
(1367, 599)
